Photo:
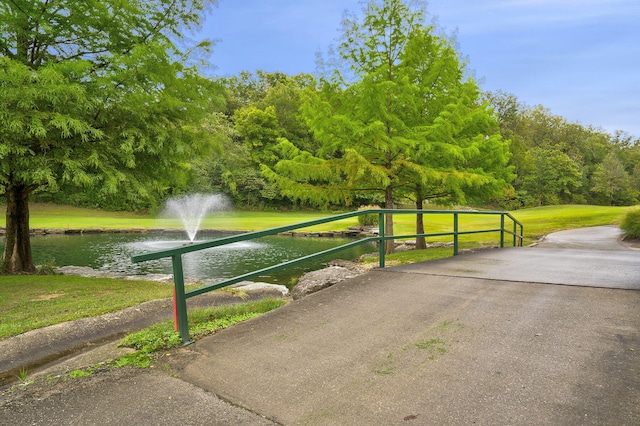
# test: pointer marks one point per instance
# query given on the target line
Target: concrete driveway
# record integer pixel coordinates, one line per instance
(515, 336)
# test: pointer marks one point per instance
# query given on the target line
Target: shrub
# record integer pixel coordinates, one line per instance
(368, 219)
(631, 224)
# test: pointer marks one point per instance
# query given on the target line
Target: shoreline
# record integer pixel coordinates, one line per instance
(354, 231)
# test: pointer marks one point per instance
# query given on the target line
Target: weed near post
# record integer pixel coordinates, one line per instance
(201, 323)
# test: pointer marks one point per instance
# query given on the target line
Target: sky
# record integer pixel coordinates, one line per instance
(580, 59)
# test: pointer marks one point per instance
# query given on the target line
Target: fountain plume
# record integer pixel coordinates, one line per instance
(192, 208)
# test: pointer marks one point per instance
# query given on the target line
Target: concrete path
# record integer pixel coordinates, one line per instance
(538, 335)
(486, 338)
(597, 238)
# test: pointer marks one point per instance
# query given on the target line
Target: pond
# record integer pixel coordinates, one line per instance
(112, 252)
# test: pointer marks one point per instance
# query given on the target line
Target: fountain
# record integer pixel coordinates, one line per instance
(192, 208)
(111, 252)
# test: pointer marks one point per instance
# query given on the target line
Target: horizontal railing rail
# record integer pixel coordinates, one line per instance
(180, 295)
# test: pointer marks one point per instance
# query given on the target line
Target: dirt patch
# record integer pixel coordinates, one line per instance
(47, 296)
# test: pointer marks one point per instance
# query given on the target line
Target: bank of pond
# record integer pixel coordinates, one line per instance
(112, 252)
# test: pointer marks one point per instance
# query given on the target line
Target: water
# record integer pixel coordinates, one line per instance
(112, 252)
(192, 208)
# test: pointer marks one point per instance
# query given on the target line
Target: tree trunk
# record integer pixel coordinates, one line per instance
(421, 242)
(16, 257)
(389, 245)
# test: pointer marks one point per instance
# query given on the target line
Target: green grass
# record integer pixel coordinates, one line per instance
(202, 322)
(537, 221)
(28, 302)
(67, 217)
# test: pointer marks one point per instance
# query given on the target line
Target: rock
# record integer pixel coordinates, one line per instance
(87, 271)
(266, 289)
(93, 231)
(161, 278)
(323, 278)
(84, 271)
(54, 231)
(248, 286)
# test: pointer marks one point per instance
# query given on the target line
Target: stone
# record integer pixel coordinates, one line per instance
(54, 231)
(93, 231)
(248, 286)
(267, 289)
(311, 282)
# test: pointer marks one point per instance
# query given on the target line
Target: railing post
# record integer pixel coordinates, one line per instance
(180, 300)
(502, 230)
(381, 244)
(515, 233)
(455, 234)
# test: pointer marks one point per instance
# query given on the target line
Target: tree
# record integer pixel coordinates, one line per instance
(95, 94)
(529, 128)
(611, 182)
(551, 176)
(398, 122)
(263, 108)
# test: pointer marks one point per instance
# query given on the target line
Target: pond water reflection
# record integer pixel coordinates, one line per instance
(112, 252)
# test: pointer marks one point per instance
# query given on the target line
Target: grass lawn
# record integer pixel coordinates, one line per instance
(66, 217)
(537, 221)
(28, 302)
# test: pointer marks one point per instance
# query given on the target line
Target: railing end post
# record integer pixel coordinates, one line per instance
(455, 234)
(381, 243)
(180, 300)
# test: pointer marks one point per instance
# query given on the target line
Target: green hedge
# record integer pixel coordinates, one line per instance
(631, 224)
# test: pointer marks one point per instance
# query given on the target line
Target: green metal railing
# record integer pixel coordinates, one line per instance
(181, 296)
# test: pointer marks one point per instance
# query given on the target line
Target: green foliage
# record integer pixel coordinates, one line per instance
(110, 110)
(159, 336)
(631, 224)
(368, 219)
(201, 323)
(561, 162)
(552, 177)
(115, 109)
(47, 268)
(22, 376)
(137, 359)
(262, 109)
(259, 128)
(76, 374)
(404, 121)
(612, 183)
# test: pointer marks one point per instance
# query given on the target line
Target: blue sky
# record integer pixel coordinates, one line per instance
(578, 58)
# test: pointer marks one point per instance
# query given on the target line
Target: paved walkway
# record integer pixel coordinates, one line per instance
(542, 335)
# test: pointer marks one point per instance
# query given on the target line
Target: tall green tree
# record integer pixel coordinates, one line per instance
(263, 108)
(96, 94)
(404, 117)
(611, 182)
(551, 177)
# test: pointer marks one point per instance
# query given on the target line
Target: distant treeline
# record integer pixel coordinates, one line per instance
(552, 160)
